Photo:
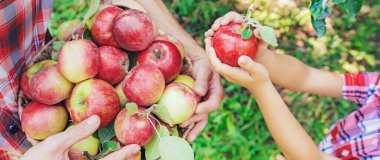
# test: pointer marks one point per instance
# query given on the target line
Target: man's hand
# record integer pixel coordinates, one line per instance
(57, 146)
(207, 85)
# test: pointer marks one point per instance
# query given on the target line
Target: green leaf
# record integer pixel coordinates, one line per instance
(268, 34)
(338, 1)
(57, 45)
(92, 9)
(319, 26)
(109, 147)
(247, 33)
(316, 8)
(107, 133)
(162, 112)
(151, 148)
(352, 6)
(132, 109)
(174, 148)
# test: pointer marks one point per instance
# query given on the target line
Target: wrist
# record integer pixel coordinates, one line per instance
(195, 52)
(260, 89)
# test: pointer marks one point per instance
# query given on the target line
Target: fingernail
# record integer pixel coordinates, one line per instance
(243, 60)
(200, 90)
(92, 120)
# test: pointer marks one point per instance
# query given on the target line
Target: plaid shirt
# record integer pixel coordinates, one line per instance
(23, 24)
(357, 136)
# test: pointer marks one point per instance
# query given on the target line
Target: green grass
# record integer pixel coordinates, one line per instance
(237, 130)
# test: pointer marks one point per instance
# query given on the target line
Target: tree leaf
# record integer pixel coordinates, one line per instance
(338, 1)
(352, 6)
(107, 133)
(92, 9)
(109, 147)
(247, 33)
(57, 45)
(151, 148)
(162, 112)
(174, 148)
(319, 26)
(132, 109)
(268, 34)
(316, 8)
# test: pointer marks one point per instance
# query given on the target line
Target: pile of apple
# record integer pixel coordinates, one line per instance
(93, 78)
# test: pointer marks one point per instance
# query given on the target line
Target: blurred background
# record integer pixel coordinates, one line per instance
(237, 130)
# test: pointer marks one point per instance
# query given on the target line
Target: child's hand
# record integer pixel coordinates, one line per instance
(234, 17)
(251, 75)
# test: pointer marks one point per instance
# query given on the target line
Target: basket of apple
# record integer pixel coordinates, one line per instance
(116, 65)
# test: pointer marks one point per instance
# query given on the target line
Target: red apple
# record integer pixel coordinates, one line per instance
(180, 101)
(101, 29)
(133, 30)
(144, 85)
(94, 97)
(78, 60)
(134, 129)
(28, 74)
(113, 66)
(165, 56)
(120, 93)
(48, 86)
(40, 121)
(176, 42)
(229, 45)
(67, 29)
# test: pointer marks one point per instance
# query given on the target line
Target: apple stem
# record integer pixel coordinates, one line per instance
(157, 53)
(85, 153)
(155, 129)
(247, 17)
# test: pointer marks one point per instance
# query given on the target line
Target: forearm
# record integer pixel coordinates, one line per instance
(291, 73)
(289, 135)
(167, 23)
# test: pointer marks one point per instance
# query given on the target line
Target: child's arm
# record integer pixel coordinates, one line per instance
(288, 71)
(289, 135)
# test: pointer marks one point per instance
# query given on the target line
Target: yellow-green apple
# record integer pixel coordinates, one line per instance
(90, 144)
(229, 45)
(133, 30)
(134, 129)
(180, 101)
(67, 29)
(184, 79)
(48, 86)
(101, 29)
(28, 74)
(78, 60)
(165, 56)
(144, 85)
(40, 121)
(94, 97)
(176, 42)
(119, 90)
(113, 66)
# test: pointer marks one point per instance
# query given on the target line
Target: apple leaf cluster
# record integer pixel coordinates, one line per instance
(320, 11)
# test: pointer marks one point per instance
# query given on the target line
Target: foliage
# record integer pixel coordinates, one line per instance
(237, 130)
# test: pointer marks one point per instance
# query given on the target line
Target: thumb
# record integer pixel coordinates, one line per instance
(127, 152)
(247, 64)
(201, 81)
(77, 132)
